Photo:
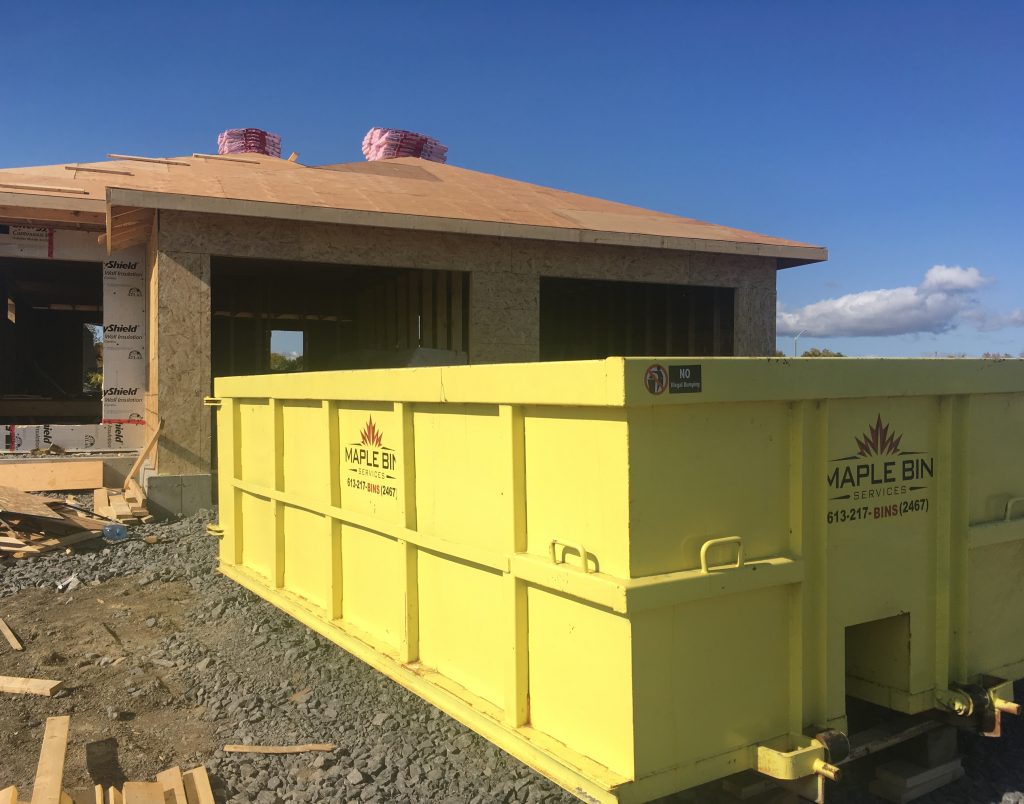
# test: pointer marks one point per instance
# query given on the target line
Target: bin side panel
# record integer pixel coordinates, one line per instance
(373, 585)
(461, 624)
(370, 449)
(887, 488)
(995, 448)
(996, 610)
(699, 472)
(256, 531)
(577, 485)
(711, 676)
(581, 675)
(305, 471)
(256, 431)
(995, 560)
(307, 556)
(461, 475)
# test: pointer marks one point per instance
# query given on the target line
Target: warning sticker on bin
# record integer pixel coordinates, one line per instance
(684, 380)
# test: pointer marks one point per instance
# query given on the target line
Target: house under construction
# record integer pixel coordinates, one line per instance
(195, 267)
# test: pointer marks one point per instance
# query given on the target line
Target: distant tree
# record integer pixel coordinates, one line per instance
(779, 353)
(821, 353)
(280, 362)
(996, 355)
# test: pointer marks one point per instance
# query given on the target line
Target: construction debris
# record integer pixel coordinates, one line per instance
(190, 787)
(31, 525)
(127, 506)
(12, 640)
(278, 749)
(29, 686)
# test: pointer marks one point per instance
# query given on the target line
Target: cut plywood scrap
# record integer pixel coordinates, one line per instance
(47, 788)
(279, 749)
(99, 794)
(114, 796)
(9, 795)
(173, 785)
(12, 640)
(29, 686)
(142, 793)
(197, 786)
(18, 502)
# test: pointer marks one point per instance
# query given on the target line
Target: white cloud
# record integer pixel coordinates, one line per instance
(953, 278)
(945, 298)
(987, 321)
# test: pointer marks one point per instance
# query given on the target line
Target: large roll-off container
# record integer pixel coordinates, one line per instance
(640, 575)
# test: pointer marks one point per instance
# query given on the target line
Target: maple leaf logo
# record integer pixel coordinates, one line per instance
(879, 440)
(371, 436)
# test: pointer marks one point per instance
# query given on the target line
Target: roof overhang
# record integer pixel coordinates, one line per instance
(787, 256)
(30, 209)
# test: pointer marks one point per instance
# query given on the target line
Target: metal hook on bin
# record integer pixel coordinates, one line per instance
(1009, 506)
(584, 555)
(737, 540)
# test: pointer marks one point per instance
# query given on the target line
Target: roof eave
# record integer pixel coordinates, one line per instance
(792, 255)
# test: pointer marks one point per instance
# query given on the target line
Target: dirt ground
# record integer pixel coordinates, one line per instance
(126, 703)
(164, 661)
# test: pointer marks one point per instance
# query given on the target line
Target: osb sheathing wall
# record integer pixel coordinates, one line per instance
(504, 312)
(181, 376)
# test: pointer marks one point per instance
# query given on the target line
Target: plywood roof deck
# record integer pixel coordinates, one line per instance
(406, 193)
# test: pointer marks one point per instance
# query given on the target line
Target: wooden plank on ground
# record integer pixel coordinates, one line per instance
(114, 796)
(100, 499)
(172, 783)
(197, 786)
(9, 795)
(12, 640)
(279, 749)
(15, 501)
(99, 794)
(120, 506)
(57, 475)
(142, 793)
(48, 786)
(29, 686)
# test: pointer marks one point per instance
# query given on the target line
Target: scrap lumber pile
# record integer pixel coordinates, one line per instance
(127, 505)
(190, 787)
(392, 143)
(30, 525)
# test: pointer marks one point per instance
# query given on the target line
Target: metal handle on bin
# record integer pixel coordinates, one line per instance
(584, 555)
(738, 541)
(1009, 505)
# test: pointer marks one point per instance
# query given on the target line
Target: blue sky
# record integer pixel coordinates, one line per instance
(890, 132)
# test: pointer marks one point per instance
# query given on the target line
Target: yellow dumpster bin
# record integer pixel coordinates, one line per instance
(640, 575)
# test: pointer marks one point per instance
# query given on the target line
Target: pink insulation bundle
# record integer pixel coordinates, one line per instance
(391, 143)
(248, 141)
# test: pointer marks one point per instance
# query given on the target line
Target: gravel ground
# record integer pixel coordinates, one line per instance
(167, 661)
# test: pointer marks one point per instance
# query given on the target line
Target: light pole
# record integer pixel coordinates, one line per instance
(796, 338)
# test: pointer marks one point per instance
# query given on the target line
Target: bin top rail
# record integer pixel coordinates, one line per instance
(644, 381)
